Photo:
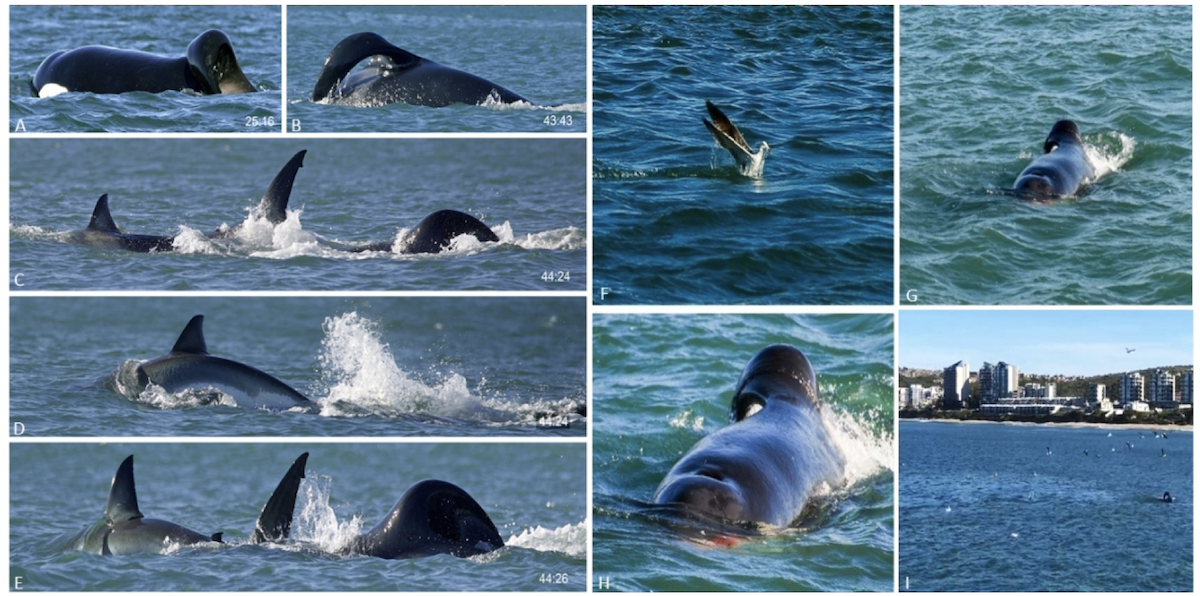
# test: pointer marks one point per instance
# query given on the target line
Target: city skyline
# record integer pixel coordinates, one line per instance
(1071, 343)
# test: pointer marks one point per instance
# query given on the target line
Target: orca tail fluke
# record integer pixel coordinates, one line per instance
(275, 521)
(352, 50)
(102, 220)
(275, 202)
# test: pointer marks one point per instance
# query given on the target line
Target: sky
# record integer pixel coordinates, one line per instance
(1049, 342)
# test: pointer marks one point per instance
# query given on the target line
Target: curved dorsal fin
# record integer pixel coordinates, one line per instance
(102, 220)
(191, 341)
(275, 202)
(352, 50)
(275, 521)
(122, 497)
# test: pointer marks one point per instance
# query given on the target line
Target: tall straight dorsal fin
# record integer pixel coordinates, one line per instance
(102, 220)
(275, 202)
(275, 521)
(191, 341)
(122, 497)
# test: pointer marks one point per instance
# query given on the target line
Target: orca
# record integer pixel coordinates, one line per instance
(189, 366)
(432, 517)
(209, 67)
(435, 233)
(126, 531)
(1061, 170)
(103, 232)
(395, 75)
(727, 135)
(764, 467)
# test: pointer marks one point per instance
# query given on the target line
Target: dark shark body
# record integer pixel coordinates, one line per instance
(1062, 168)
(395, 75)
(435, 233)
(190, 367)
(125, 531)
(103, 232)
(210, 67)
(763, 467)
(432, 517)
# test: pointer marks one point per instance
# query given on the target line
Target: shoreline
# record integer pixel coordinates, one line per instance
(1109, 425)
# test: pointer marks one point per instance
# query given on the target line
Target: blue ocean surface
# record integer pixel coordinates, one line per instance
(675, 220)
(535, 494)
(663, 382)
(35, 32)
(377, 367)
(980, 88)
(531, 192)
(1045, 508)
(538, 52)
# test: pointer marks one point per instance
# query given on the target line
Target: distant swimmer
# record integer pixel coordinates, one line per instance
(1167, 498)
(728, 136)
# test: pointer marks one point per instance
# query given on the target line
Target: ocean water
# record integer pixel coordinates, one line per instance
(531, 192)
(536, 494)
(676, 222)
(662, 382)
(538, 52)
(35, 32)
(980, 88)
(1021, 508)
(378, 367)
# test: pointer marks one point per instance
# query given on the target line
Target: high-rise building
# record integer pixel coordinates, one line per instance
(1162, 386)
(987, 385)
(1006, 379)
(1096, 392)
(956, 383)
(1185, 388)
(1133, 388)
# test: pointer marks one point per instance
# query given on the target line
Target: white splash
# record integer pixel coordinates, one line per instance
(570, 540)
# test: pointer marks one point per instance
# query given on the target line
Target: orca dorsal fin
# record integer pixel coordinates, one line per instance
(191, 341)
(122, 497)
(275, 202)
(217, 537)
(352, 50)
(102, 220)
(275, 521)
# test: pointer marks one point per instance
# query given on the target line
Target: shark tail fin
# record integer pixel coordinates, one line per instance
(274, 203)
(191, 341)
(122, 497)
(275, 521)
(102, 220)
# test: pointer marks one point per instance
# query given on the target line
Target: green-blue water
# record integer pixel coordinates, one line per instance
(378, 367)
(531, 192)
(538, 52)
(35, 32)
(536, 494)
(661, 382)
(980, 88)
(1020, 508)
(675, 222)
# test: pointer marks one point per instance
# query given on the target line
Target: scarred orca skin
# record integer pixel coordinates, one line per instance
(209, 67)
(395, 75)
